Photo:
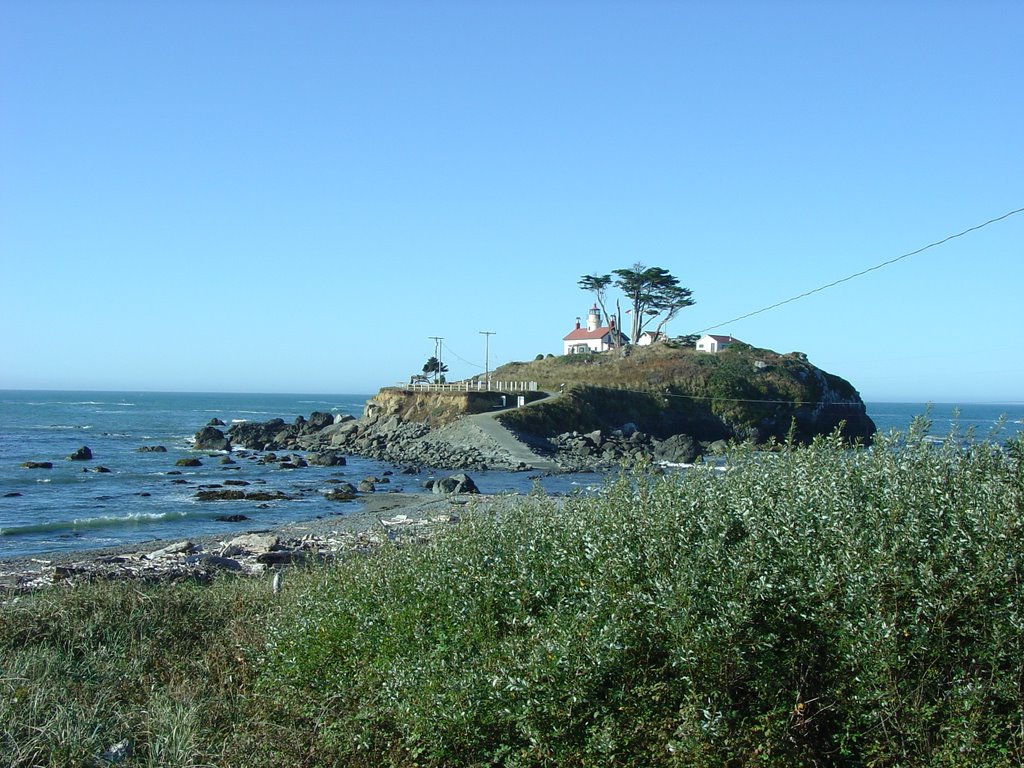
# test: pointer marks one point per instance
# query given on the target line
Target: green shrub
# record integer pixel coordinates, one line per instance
(815, 605)
(808, 606)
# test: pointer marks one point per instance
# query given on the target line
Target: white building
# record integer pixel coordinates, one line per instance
(709, 342)
(649, 337)
(593, 338)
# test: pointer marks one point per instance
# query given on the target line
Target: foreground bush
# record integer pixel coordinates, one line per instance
(810, 606)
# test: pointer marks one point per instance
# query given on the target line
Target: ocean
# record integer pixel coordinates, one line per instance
(145, 497)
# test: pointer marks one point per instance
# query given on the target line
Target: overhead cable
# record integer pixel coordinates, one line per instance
(862, 272)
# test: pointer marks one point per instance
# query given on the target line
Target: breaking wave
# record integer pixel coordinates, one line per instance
(93, 523)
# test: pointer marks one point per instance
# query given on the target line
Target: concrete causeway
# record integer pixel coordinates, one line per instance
(507, 439)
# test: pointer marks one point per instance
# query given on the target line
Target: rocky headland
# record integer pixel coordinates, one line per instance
(589, 412)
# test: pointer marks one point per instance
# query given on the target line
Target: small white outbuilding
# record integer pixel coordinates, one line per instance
(712, 343)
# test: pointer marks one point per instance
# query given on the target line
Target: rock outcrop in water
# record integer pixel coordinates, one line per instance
(211, 439)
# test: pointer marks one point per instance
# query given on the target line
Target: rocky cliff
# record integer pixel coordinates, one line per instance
(742, 393)
(434, 409)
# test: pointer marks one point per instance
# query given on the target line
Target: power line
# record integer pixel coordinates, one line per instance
(863, 271)
(460, 357)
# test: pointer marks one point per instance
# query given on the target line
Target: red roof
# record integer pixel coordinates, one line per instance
(580, 334)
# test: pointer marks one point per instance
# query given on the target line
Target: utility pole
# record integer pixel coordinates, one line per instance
(437, 354)
(487, 363)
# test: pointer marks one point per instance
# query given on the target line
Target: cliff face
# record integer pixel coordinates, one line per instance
(435, 409)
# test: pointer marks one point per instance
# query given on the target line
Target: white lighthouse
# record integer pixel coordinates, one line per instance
(593, 338)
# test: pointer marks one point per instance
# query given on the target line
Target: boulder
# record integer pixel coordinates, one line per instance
(677, 449)
(266, 496)
(213, 561)
(220, 495)
(38, 465)
(460, 483)
(188, 462)
(250, 544)
(152, 449)
(260, 436)
(101, 470)
(341, 492)
(326, 459)
(82, 454)
(211, 439)
(180, 548)
(233, 494)
(319, 420)
(280, 557)
(718, 447)
(215, 422)
(366, 486)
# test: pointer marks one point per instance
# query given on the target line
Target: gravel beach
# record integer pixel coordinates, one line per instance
(377, 518)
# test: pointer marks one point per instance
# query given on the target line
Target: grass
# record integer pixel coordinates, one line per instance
(810, 606)
(662, 367)
(668, 389)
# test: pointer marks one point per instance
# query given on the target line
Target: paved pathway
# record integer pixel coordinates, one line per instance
(505, 438)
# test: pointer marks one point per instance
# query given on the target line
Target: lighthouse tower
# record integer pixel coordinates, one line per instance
(593, 318)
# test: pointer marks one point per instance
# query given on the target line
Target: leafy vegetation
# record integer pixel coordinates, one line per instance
(653, 293)
(434, 367)
(811, 605)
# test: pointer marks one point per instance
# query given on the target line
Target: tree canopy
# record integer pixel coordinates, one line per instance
(435, 367)
(652, 292)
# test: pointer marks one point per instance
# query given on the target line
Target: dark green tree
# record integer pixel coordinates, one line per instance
(435, 367)
(653, 293)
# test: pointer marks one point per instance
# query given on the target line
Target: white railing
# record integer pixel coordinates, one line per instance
(473, 386)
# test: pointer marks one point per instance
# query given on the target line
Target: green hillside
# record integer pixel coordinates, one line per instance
(741, 392)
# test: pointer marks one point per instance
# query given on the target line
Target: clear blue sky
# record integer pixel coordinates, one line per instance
(271, 196)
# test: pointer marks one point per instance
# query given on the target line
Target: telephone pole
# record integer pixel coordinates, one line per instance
(437, 354)
(487, 363)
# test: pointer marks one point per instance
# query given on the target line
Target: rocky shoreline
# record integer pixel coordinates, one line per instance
(401, 518)
(324, 440)
(457, 445)
(389, 439)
